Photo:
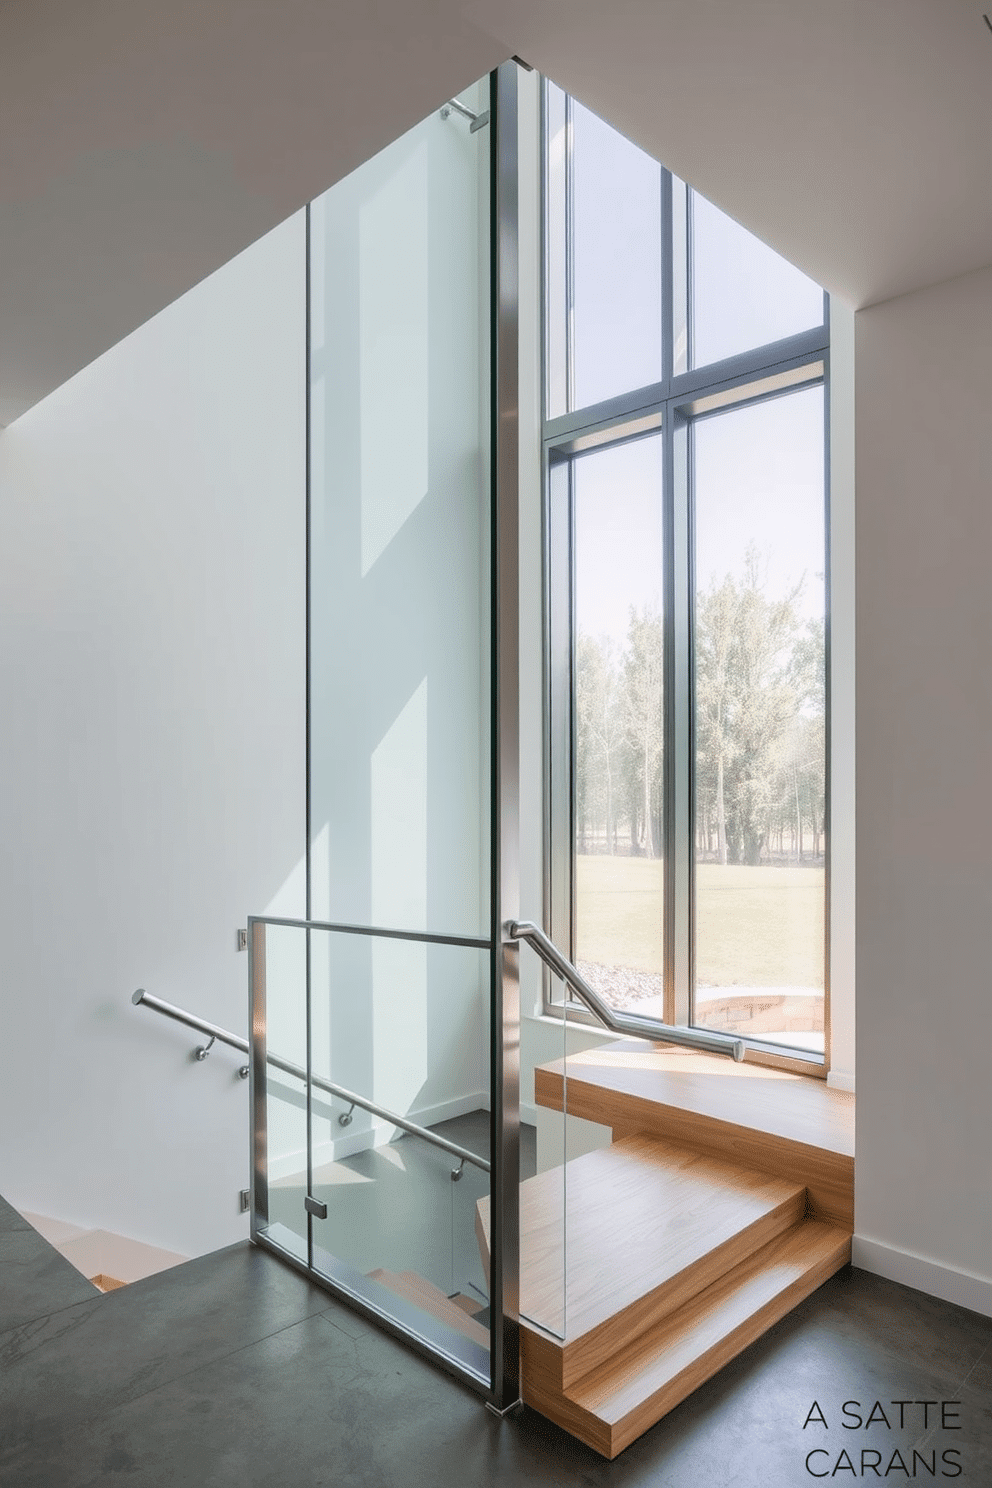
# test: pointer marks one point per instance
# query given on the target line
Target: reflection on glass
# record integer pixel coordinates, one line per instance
(759, 717)
(604, 275)
(405, 1227)
(399, 586)
(743, 293)
(403, 1025)
(618, 721)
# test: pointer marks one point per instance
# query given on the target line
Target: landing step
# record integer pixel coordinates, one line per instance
(770, 1119)
(650, 1223)
(619, 1400)
(430, 1298)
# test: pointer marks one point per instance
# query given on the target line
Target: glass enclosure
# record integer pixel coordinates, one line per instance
(373, 1019)
(686, 627)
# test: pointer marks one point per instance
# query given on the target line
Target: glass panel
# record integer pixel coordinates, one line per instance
(618, 839)
(405, 1026)
(544, 1152)
(759, 720)
(400, 592)
(604, 260)
(743, 293)
(285, 1097)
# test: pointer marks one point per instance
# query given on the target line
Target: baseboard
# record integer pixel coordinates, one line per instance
(962, 1288)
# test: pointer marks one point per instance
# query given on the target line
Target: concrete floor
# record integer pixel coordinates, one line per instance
(235, 1370)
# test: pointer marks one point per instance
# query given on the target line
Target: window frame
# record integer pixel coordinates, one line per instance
(674, 405)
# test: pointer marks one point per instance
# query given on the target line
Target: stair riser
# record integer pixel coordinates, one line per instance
(610, 1439)
(579, 1356)
(728, 1348)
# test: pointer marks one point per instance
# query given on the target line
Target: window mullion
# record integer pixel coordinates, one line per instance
(678, 837)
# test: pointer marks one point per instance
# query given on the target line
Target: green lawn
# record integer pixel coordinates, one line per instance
(755, 927)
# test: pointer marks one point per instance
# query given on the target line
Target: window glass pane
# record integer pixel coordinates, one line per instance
(618, 663)
(759, 720)
(604, 260)
(743, 293)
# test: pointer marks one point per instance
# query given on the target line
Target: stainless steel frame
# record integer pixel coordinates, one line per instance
(505, 1077)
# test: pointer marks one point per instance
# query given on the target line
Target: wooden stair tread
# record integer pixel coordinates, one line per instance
(618, 1400)
(649, 1223)
(776, 1102)
(765, 1119)
(430, 1298)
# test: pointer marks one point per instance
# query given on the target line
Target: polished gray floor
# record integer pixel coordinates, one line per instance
(235, 1370)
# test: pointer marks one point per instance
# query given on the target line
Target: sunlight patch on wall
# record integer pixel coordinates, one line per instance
(393, 342)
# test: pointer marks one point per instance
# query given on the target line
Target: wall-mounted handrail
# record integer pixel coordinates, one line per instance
(141, 998)
(617, 1022)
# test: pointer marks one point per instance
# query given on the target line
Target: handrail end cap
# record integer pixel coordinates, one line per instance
(138, 996)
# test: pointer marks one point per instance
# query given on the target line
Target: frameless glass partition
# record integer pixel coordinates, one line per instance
(379, 1049)
(376, 1061)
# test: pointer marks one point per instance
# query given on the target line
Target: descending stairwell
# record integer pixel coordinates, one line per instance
(456, 1312)
(647, 1265)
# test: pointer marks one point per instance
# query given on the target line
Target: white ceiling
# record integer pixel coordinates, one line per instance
(143, 144)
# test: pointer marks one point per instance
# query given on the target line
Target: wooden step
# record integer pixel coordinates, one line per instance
(649, 1224)
(618, 1400)
(107, 1283)
(430, 1298)
(768, 1119)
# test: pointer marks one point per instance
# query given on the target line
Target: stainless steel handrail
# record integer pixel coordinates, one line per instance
(629, 1023)
(141, 998)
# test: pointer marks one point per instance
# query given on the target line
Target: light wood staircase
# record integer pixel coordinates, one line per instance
(725, 1198)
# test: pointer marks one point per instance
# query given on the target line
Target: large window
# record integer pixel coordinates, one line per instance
(685, 531)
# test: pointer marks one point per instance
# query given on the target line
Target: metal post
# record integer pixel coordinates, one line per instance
(257, 1076)
(505, 1199)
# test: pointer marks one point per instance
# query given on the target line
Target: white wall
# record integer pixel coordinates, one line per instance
(151, 748)
(842, 698)
(924, 877)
